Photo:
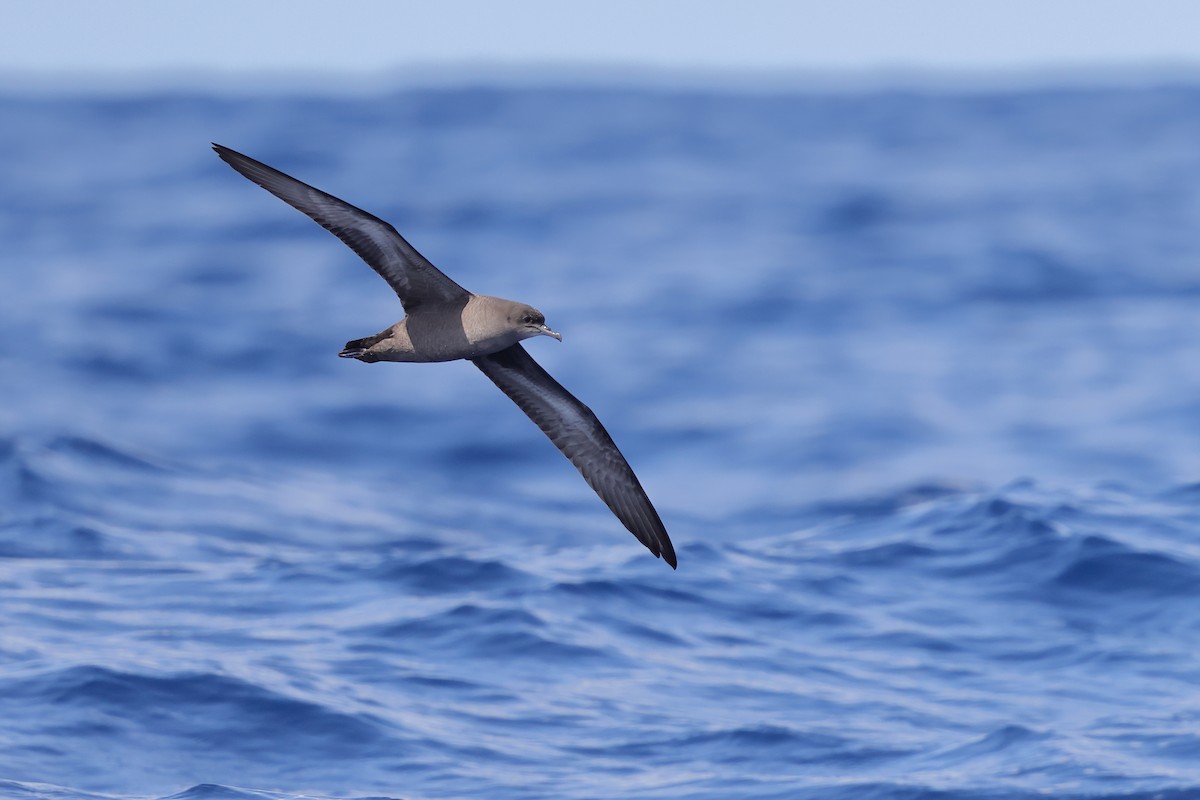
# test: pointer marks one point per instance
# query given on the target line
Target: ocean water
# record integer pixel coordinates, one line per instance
(910, 375)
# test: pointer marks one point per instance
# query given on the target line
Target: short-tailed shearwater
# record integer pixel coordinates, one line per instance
(445, 322)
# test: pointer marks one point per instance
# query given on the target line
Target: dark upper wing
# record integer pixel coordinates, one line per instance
(413, 278)
(575, 431)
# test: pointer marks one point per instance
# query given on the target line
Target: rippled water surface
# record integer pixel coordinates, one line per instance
(910, 376)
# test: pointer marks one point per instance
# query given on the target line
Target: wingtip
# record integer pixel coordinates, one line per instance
(223, 152)
(662, 548)
(230, 156)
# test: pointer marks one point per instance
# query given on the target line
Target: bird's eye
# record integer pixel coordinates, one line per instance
(527, 319)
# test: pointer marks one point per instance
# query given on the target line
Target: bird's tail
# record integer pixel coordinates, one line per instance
(359, 347)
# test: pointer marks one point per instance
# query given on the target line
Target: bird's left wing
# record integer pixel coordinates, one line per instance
(409, 273)
(577, 432)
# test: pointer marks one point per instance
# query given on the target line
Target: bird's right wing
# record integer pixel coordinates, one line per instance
(409, 273)
(577, 432)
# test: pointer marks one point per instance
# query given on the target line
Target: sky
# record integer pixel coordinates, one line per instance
(150, 39)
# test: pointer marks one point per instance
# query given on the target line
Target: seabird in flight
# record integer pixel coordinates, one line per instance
(445, 322)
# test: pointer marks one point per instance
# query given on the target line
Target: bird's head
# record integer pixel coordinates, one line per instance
(531, 322)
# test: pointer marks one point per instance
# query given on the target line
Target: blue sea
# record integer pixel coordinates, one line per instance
(910, 374)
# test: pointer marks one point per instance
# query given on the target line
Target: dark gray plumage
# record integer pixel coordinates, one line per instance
(415, 280)
(445, 322)
(577, 432)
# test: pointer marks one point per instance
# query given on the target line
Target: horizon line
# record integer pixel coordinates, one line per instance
(558, 75)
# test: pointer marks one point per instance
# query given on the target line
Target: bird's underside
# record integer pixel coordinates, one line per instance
(446, 322)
